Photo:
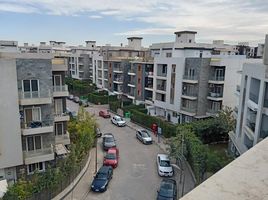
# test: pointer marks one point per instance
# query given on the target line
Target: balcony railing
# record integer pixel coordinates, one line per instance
(149, 86)
(131, 71)
(189, 93)
(132, 82)
(189, 109)
(60, 88)
(161, 87)
(120, 69)
(34, 94)
(215, 94)
(37, 124)
(253, 97)
(118, 79)
(217, 78)
(213, 111)
(161, 74)
(187, 77)
(38, 152)
(151, 73)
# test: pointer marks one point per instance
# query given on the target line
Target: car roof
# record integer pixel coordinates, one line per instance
(112, 150)
(104, 169)
(108, 135)
(163, 156)
(116, 116)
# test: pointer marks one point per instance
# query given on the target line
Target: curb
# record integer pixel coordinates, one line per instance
(70, 188)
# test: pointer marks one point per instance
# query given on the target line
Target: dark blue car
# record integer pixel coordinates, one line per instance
(168, 190)
(102, 179)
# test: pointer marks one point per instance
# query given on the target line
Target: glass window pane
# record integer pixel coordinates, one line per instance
(34, 85)
(26, 85)
(40, 166)
(59, 128)
(37, 142)
(30, 143)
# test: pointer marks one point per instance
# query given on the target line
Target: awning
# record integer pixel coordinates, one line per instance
(60, 149)
(3, 187)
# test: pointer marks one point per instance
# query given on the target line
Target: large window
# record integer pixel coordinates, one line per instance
(58, 106)
(32, 114)
(35, 167)
(30, 88)
(59, 129)
(34, 143)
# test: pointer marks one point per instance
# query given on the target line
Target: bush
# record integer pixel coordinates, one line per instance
(168, 129)
(97, 98)
(78, 87)
(140, 108)
(114, 105)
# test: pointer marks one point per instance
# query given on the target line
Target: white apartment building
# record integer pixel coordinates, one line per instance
(252, 110)
(193, 80)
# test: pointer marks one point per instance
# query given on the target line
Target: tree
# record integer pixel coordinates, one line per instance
(20, 190)
(226, 119)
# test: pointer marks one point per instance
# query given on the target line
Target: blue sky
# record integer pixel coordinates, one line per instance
(111, 21)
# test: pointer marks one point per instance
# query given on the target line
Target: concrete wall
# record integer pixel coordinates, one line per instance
(10, 133)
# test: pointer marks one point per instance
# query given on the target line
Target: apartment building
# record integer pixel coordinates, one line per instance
(252, 110)
(35, 131)
(8, 46)
(193, 80)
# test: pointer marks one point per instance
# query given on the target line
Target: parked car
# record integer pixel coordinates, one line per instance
(118, 121)
(83, 102)
(144, 136)
(102, 179)
(112, 157)
(70, 97)
(98, 132)
(163, 165)
(108, 141)
(104, 114)
(167, 190)
(76, 99)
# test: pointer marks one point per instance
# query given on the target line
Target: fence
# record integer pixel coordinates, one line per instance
(48, 194)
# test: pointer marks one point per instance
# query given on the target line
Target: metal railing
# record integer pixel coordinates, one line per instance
(37, 124)
(118, 79)
(215, 94)
(217, 78)
(34, 94)
(149, 85)
(189, 93)
(161, 74)
(187, 77)
(189, 109)
(60, 88)
(131, 71)
(38, 152)
(118, 69)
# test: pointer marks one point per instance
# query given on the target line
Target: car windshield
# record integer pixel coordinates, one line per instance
(166, 190)
(109, 139)
(110, 156)
(145, 134)
(101, 176)
(119, 119)
(165, 163)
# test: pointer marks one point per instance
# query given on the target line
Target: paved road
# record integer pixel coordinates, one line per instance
(136, 176)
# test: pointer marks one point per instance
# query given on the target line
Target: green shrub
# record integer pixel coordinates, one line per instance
(97, 98)
(168, 130)
(114, 105)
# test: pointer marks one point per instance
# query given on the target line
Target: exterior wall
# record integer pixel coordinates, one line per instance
(10, 133)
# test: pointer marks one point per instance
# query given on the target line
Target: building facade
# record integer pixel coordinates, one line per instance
(37, 102)
(252, 115)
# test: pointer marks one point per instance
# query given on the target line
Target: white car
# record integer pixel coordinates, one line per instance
(163, 165)
(144, 136)
(118, 121)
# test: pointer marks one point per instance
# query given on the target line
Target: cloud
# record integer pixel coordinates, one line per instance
(95, 16)
(213, 19)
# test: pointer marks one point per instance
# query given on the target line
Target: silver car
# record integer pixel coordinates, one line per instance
(108, 141)
(144, 136)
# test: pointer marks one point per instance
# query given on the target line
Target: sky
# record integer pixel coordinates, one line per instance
(112, 21)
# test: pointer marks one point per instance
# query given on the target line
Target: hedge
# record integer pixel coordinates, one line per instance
(114, 105)
(141, 108)
(168, 130)
(97, 98)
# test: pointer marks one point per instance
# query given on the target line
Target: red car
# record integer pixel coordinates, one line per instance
(112, 157)
(104, 114)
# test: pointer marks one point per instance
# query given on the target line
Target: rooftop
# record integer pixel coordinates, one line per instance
(185, 32)
(243, 179)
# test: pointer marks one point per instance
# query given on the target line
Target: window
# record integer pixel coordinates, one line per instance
(168, 55)
(173, 68)
(30, 88)
(33, 143)
(139, 80)
(190, 41)
(35, 167)
(174, 114)
(32, 114)
(59, 129)
(58, 106)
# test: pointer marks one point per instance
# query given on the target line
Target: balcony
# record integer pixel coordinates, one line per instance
(149, 100)
(253, 97)
(131, 72)
(216, 79)
(189, 94)
(215, 96)
(118, 70)
(149, 87)
(37, 127)
(161, 88)
(212, 111)
(188, 110)
(190, 79)
(63, 139)
(216, 62)
(251, 125)
(61, 117)
(118, 80)
(59, 64)
(35, 98)
(149, 74)
(60, 91)
(132, 83)
(40, 155)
